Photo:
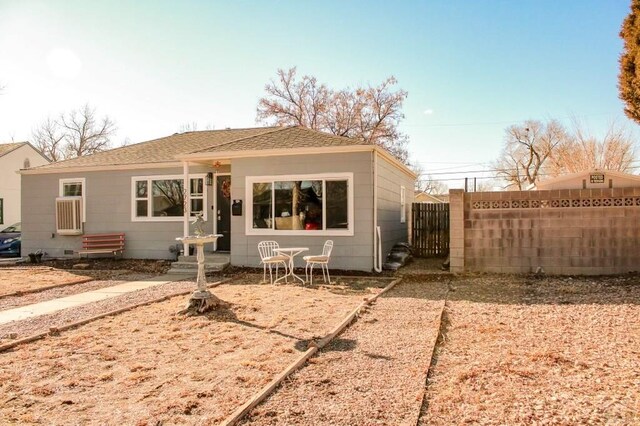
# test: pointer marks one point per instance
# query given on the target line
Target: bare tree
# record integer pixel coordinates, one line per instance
(432, 186)
(84, 133)
(371, 114)
(193, 126)
(527, 148)
(584, 151)
(48, 138)
(74, 134)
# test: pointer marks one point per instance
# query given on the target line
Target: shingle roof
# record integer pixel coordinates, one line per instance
(166, 149)
(286, 137)
(6, 148)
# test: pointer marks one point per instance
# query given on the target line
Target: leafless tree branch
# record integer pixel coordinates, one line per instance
(371, 114)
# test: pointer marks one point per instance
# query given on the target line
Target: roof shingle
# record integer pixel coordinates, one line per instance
(168, 148)
(6, 148)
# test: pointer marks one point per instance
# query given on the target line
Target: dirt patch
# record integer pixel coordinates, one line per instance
(108, 267)
(148, 365)
(522, 350)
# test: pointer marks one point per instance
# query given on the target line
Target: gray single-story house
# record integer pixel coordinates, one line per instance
(297, 186)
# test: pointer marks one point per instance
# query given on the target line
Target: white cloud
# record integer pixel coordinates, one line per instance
(428, 111)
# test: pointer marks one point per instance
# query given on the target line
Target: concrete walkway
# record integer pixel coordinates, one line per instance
(50, 306)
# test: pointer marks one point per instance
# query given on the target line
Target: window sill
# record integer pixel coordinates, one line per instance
(318, 233)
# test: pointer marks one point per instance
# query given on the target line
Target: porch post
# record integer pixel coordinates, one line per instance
(187, 204)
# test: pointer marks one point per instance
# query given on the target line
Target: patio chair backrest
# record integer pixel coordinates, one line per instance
(328, 246)
(265, 248)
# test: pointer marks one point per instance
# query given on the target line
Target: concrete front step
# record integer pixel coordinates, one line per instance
(208, 258)
(189, 264)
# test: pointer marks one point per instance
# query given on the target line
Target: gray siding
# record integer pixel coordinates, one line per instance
(350, 252)
(390, 179)
(108, 205)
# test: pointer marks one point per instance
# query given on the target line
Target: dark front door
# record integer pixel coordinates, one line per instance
(223, 211)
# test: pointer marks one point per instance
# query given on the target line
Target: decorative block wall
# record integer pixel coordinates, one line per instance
(586, 231)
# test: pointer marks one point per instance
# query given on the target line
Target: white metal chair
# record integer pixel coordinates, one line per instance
(322, 260)
(269, 258)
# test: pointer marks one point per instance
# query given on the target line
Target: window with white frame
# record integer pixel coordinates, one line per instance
(403, 205)
(75, 187)
(161, 198)
(301, 204)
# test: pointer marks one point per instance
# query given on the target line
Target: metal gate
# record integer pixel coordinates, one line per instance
(430, 232)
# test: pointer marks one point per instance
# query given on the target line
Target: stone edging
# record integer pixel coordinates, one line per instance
(56, 330)
(314, 347)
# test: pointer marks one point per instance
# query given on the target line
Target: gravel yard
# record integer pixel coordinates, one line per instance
(373, 373)
(9, 302)
(149, 365)
(32, 278)
(520, 350)
(511, 350)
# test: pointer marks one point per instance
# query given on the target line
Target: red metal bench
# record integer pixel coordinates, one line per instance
(102, 243)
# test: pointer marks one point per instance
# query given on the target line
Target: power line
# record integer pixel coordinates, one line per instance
(494, 123)
(500, 170)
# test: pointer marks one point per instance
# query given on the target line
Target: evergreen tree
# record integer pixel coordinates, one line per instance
(629, 78)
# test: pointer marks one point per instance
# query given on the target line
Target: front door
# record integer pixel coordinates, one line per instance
(223, 212)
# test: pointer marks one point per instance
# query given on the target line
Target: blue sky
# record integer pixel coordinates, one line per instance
(471, 68)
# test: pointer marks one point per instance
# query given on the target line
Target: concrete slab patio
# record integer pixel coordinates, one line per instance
(50, 306)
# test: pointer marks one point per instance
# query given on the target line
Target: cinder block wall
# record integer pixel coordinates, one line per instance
(588, 231)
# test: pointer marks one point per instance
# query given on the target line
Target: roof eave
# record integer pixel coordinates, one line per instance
(228, 155)
(99, 168)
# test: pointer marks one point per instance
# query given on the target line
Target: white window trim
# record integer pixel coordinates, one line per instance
(83, 182)
(150, 178)
(403, 205)
(250, 180)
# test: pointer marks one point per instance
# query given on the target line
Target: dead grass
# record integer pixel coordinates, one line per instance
(518, 350)
(32, 278)
(149, 365)
(29, 278)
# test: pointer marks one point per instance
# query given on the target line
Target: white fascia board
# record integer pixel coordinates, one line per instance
(228, 155)
(82, 169)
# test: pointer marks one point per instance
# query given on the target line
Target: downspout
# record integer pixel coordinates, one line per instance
(377, 245)
(187, 205)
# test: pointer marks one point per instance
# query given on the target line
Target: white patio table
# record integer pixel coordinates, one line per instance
(290, 252)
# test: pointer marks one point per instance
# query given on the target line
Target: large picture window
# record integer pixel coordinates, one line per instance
(161, 198)
(309, 204)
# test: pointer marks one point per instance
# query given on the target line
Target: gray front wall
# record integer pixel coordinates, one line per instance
(108, 205)
(350, 252)
(390, 179)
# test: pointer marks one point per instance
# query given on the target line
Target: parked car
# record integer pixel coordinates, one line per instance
(10, 240)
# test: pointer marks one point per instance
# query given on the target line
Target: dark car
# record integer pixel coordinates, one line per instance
(10, 240)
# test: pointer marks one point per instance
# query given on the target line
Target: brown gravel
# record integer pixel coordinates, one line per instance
(520, 351)
(9, 302)
(28, 278)
(40, 324)
(373, 373)
(149, 366)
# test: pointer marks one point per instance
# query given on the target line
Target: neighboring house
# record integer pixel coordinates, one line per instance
(591, 179)
(423, 197)
(13, 157)
(297, 186)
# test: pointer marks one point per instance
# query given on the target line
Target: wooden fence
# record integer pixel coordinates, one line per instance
(430, 232)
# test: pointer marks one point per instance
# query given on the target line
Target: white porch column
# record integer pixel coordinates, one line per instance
(187, 205)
